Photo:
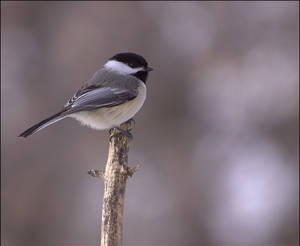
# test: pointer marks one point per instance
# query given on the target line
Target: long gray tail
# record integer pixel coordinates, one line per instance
(39, 126)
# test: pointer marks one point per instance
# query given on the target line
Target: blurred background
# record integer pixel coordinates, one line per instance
(217, 138)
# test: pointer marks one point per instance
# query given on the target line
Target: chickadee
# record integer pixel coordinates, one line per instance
(112, 96)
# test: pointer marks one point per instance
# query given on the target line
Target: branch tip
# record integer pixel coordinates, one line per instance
(132, 170)
(96, 173)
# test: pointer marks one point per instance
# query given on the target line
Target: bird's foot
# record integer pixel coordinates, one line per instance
(121, 132)
(131, 120)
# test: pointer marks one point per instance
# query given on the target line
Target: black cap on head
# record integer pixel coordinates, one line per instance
(131, 59)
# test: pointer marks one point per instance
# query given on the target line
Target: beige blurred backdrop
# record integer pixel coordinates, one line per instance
(217, 138)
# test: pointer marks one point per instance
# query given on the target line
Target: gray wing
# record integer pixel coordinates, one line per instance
(104, 89)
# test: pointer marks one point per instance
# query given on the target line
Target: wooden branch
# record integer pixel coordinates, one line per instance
(115, 176)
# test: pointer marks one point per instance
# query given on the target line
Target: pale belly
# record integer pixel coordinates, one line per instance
(106, 118)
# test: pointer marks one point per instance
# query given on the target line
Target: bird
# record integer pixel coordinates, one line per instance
(112, 96)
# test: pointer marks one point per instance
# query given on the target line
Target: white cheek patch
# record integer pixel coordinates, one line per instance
(120, 67)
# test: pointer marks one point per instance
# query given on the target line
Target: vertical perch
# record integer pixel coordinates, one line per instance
(115, 177)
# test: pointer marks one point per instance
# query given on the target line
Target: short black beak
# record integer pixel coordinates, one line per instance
(148, 69)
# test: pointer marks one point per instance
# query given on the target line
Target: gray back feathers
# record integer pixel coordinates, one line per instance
(104, 89)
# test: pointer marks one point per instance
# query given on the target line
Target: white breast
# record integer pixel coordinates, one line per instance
(106, 118)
